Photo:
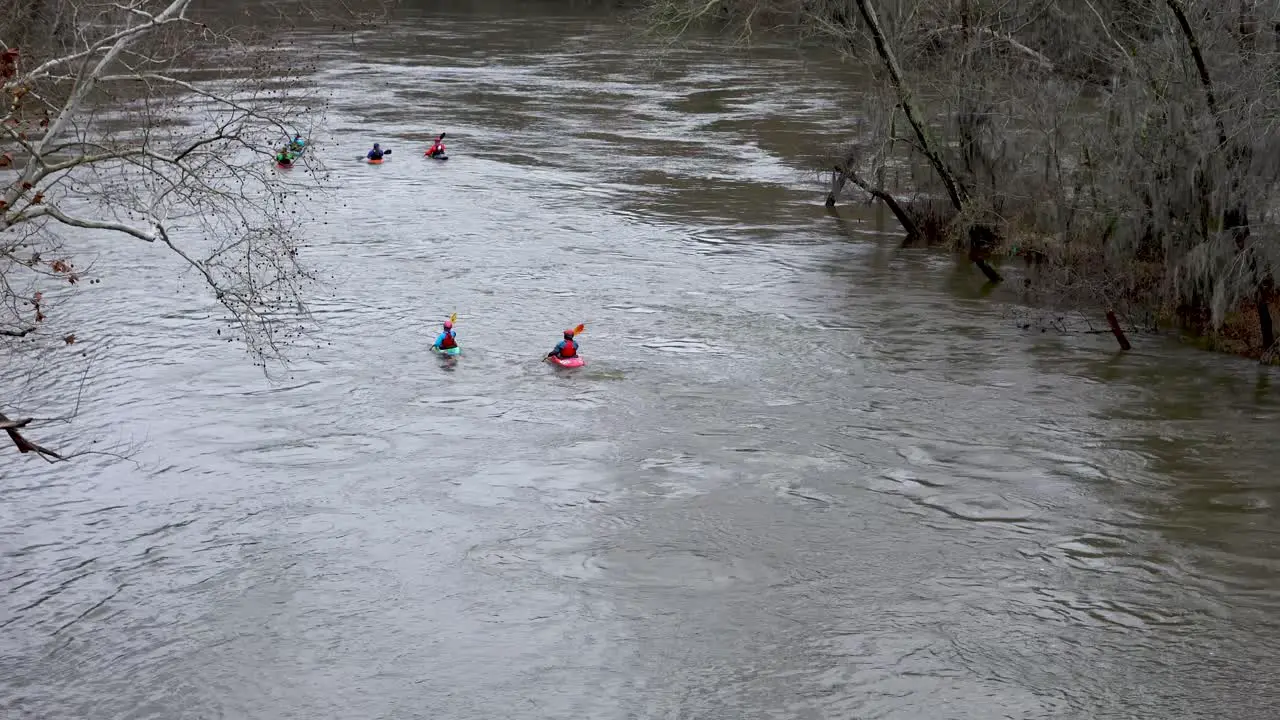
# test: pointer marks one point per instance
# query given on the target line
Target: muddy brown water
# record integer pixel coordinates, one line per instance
(806, 474)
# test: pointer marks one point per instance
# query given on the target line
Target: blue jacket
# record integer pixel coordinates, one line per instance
(440, 337)
(375, 154)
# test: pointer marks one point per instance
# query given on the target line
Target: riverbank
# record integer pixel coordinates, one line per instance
(1144, 180)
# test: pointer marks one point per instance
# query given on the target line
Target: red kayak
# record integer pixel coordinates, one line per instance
(572, 362)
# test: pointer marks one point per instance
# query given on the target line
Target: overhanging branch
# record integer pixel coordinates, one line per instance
(11, 427)
(171, 14)
(66, 219)
(196, 89)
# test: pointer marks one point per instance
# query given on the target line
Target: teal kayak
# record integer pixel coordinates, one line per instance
(450, 351)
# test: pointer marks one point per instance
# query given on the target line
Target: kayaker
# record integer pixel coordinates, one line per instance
(436, 148)
(446, 340)
(566, 348)
(376, 153)
(283, 157)
(297, 143)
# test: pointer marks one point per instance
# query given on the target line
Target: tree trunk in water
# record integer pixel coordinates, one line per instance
(1264, 323)
(982, 239)
(904, 218)
(837, 184)
(1117, 330)
(955, 190)
(987, 270)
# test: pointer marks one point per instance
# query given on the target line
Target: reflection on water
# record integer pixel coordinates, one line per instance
(806, 474)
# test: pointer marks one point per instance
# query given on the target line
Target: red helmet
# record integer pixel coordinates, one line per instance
(568, 333)
(448, 324)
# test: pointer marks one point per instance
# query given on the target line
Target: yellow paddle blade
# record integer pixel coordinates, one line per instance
(453, 318)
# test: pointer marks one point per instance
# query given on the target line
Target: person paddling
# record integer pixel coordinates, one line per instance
(448, 339)
(377, 152)
(566, 348)
(436, 148)
(297, 143)
(283, 157)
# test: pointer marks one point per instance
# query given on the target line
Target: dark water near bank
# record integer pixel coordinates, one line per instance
(805, 475)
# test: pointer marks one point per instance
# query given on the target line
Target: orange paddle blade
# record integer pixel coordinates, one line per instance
(580, 329)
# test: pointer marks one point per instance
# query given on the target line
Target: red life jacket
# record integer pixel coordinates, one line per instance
(569, 350)
(448, 342)
(437, 148)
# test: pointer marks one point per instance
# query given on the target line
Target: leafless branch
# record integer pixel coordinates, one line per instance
(22, 443)
(102, 134)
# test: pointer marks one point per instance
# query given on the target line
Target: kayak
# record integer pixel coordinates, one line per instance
(450, 351)
(292, 155)
(376, 162)
(573, 362)
(437, 157)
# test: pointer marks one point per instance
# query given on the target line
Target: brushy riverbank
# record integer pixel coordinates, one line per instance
(1116, 150)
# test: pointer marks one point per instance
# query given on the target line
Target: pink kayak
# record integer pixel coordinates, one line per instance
(572, 362)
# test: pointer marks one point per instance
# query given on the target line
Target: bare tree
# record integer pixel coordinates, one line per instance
(1126, 150)
(128, 124)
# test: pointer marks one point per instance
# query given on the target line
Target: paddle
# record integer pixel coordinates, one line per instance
(576, 332)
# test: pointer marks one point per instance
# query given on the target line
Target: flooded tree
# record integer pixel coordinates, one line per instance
(1126, 151)
(142, 125)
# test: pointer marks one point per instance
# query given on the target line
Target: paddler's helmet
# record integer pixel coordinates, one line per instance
(448, 325)
(568, 334)
(375, 146)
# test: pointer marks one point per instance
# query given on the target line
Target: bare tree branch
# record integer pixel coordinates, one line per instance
(106, 131)
(23, 444)
(65, 219)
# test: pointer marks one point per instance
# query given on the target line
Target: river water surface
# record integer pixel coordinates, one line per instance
(806, 474)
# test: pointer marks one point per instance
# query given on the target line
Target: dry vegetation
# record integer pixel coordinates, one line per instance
(1126, 151)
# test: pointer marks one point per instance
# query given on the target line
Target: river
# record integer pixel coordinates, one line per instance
(806, 474)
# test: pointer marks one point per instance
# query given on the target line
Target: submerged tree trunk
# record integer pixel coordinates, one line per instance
(981, 239)
(955, 190)
(1264, 323)
(838, 178)
(1118, 331)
